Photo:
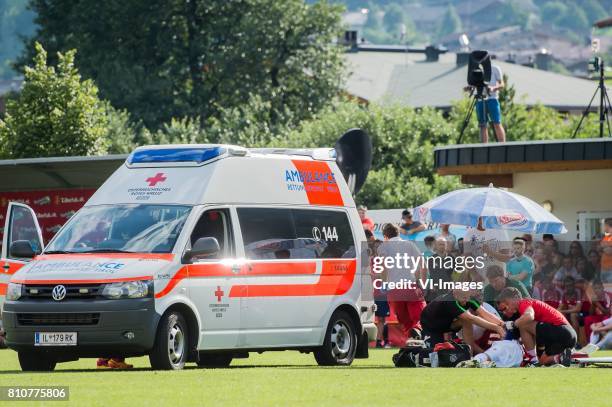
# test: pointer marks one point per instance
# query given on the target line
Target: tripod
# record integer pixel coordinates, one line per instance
(605, 107)
(475, 97)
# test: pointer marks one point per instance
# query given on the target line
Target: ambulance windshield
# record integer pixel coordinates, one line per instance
(121, 228)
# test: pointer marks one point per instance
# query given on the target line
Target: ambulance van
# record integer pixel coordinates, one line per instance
(195, 253)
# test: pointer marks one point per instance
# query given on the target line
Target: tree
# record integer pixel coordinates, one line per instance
(55, 114)
(451, 22)
(161, 59)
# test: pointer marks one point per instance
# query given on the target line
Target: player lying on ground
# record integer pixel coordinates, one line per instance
(457, 311)
(540, 324)
(505, 353)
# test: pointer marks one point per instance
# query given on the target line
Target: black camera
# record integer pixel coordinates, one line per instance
(479, 69)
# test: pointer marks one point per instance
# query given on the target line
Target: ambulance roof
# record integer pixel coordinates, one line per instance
(193, 174)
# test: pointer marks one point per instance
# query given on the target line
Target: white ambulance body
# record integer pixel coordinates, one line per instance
(195, 253)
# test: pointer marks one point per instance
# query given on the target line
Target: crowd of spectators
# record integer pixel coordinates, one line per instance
(570, 277)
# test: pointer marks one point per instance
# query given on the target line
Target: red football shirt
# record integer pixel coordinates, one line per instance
(542, 312)
(368, 223)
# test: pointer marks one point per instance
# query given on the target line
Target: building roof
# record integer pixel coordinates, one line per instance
(33, 174)
(408, 79)
(496, 162)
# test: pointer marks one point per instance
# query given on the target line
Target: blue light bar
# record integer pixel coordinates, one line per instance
(175, 155)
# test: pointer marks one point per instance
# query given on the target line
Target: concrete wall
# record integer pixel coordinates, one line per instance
(570, 192)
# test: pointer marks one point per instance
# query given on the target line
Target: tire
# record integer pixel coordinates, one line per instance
(31, 361)
(340, 342)
(171, 346)
(215, 360)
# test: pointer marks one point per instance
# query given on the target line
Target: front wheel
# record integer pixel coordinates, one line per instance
(171, 343)
(35, 361)
(340, 342)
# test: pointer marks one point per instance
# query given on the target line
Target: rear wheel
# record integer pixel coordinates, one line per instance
(171, 343)
(212, 360)
(340, 342)
(31, 361)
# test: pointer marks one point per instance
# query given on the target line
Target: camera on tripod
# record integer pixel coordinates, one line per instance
(479, 71)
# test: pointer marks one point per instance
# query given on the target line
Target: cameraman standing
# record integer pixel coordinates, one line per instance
(492, 108)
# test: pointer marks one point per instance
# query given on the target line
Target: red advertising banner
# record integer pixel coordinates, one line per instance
(53, 207)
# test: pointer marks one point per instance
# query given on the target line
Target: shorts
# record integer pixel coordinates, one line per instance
(493, 111)
(382, 308)
(555, 338)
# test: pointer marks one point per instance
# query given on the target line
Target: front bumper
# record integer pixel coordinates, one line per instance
(104, 338)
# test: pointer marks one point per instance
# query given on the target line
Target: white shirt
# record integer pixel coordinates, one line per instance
(496, 239)
(496, 78)
(391, 248)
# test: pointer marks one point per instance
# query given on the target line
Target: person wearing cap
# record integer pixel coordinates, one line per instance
(410, 226)
(366, 222)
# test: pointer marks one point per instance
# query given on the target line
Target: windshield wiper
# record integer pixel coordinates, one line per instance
(58, 252)
(106, 251)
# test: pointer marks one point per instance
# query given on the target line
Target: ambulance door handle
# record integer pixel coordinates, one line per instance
(236, 268)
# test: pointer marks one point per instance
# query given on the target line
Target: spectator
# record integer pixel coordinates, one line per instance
(601, 336)
(380, 299)
(529, 249)
(549, 240)
(438, 268)
(601, 307)
(595, 261)
(492, 244)
(547, 292)
(450, 238)
(575, 251)
(498, 282)
(606, 256)
(571, 302)
(567, 270)
(429, 244)
(409, 226)
(556, 258)
(366, 222)
(584, 269)
(542, 262)
(521, 267)
(406, 304)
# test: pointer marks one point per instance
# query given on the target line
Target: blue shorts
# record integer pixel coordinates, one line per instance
(493, 111)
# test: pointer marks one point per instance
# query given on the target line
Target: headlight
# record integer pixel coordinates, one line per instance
(128, 289)
(13, 292)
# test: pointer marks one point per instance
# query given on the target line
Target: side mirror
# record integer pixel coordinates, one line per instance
(203, 247)
(21, 249)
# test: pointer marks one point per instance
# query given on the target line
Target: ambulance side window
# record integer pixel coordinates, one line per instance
(283, 233)
(330, 229)
(215, 223)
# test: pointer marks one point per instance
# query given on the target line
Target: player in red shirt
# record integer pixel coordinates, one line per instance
(540, 324)
(366, 222)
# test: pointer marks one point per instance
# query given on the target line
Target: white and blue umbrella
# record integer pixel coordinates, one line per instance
(498, 209)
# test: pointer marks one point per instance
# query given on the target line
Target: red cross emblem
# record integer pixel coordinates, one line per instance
(219, 293)
(159, 177)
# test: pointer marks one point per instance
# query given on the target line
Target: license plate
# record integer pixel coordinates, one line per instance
(55, 339)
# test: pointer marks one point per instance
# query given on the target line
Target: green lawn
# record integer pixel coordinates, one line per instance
(290, 378)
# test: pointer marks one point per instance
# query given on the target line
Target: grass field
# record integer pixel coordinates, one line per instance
(290, 378)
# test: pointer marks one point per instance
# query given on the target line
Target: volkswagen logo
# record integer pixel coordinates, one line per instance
(58, 293)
